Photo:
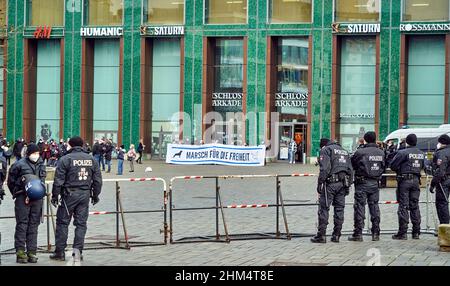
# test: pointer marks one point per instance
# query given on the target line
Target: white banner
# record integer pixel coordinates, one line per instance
(218, 154)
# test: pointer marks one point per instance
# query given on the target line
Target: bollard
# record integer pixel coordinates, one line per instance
(444, 237)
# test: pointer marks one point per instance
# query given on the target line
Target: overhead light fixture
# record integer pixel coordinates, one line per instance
(421, 5)
(234, 2)
(177, 3)
(361, 5)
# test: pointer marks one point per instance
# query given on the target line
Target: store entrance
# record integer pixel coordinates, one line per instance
(292, 132)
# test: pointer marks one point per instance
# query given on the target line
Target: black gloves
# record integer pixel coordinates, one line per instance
(95, 200)
(347, 191)
(434, 183)
(2, 195)
(54, 201)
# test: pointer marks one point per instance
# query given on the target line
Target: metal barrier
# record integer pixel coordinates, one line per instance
(219, 206)
(119, 212)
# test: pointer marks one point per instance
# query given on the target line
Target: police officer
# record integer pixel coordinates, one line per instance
(3, 170)
(28, 213)
(441, 178)
(77, 179)
(408, 164)
(333, 185)
(369, 164)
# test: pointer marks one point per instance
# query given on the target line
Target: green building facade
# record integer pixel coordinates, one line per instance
(331, 68)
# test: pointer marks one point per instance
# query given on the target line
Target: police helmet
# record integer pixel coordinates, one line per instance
(34, 187)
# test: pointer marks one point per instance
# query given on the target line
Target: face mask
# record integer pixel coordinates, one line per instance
(439, 146)
(34, 157)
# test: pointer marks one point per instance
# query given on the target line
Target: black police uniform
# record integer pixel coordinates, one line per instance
(369, 164)
(408, 164)
(3, 170)
(334, 182)
(441, 181)
(77, 174)
(28, 213)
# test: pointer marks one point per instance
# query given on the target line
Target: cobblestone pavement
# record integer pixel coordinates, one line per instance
(201, 193)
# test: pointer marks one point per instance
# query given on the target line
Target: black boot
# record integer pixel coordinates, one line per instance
(375, 237)
(32, 258)
(59, 256)
(21, 257)
(416, 235)
(335, 238)
(399, 236)
(319, 239)
(355, 237)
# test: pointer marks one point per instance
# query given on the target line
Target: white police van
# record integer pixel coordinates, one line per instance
(426, 137)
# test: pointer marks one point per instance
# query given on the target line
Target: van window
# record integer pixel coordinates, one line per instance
(427, 144)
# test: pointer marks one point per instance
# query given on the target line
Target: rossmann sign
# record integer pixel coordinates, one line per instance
(445, 27)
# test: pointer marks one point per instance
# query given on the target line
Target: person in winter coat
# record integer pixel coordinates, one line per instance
(131, 157)
(120, 157)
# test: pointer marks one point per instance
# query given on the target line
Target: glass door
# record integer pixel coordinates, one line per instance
(286, 136)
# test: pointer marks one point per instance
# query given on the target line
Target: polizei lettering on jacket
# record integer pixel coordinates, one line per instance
(340, 152)
(416, 156)
(82, 163)
(376, 158)
(101, 32)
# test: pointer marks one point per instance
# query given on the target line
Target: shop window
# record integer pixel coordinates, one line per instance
(426, 81)
(292, 77)
(2, 82)
(226, 11)
(48, 80)
(165, 92)
(106, 89)
(3, 13)
(103, 12)
(357, 11)
(282, 11)
(45, 12)
(357, 92)
(164, 12)
(228, 97)
(426, 10)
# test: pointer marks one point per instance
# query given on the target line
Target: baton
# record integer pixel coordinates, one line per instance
(325, 191)
(442, 190)
(65, 205)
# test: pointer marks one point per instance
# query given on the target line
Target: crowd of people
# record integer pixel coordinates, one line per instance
(50, 151)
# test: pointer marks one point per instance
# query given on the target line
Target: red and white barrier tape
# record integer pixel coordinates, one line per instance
(98, 213)
(388, 202)
(192, 177)
(143, 179)
(247, 206)
(303, 175)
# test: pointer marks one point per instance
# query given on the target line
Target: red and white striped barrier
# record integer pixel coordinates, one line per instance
(247, 206)
(192, 177)
(388, 202)
(303, 175)
(99, 213)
